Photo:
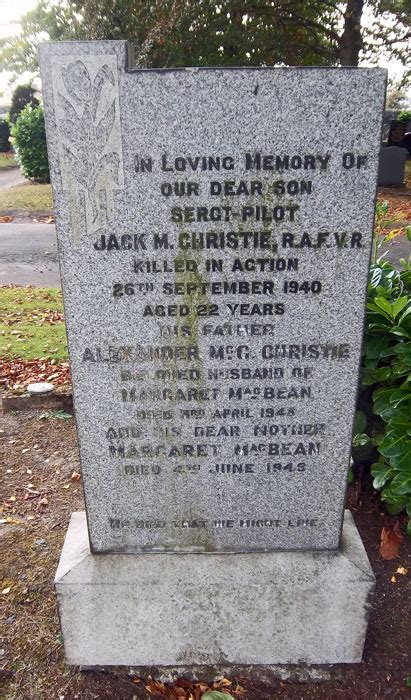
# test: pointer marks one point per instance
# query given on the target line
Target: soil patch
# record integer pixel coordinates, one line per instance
(41, 487)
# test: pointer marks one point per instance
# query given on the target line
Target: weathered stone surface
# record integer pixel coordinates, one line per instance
(190, 610)
(215, 335)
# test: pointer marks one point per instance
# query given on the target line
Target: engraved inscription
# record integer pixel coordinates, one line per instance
(88, 121)
(215, 245)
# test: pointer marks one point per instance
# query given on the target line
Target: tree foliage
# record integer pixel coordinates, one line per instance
(49, 21)
(397, 92)
(208, 33)
(23, 95)
(178, 33)
(389, 31)
(4, 136)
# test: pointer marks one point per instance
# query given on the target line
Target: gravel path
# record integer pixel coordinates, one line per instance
(28, 255)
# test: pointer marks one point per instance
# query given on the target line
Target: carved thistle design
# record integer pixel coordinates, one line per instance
(87, 114)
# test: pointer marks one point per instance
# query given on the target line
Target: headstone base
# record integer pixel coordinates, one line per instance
(180, 610)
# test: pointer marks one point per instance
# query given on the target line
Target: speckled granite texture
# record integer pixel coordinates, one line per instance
(214, 231)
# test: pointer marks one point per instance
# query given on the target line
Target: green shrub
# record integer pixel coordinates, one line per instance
(29, 140)
(4, 136)
(383, 425)
(405, 115)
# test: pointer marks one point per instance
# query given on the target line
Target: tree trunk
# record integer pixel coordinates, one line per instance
(351, 38)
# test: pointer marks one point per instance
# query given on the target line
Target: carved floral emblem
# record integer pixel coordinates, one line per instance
(92, 157)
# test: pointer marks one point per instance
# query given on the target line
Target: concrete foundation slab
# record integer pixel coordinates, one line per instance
(180, 610)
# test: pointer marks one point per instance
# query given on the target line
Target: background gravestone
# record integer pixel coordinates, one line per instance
(392, 166)
(215, 229)
(396, 133)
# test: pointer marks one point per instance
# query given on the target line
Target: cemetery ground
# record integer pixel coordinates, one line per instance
(42, 487)
(6, 161)
(20, 198)
(26, 197)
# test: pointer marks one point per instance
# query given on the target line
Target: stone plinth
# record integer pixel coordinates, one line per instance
(180, 610)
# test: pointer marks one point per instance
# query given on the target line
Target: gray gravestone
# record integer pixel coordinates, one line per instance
(392, 165)
(215, 229)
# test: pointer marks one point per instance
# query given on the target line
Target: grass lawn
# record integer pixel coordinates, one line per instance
(6, 161)
(32, 323)
(29, 196)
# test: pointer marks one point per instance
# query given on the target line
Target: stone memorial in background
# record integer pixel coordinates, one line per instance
(397, 132)
(214, 229)
(391, 169)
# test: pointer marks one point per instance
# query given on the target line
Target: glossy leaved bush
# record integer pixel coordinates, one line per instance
(383, 423)
(29, 141)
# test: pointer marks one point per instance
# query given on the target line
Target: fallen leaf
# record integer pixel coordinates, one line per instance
(43, 501)
(75, 476)
(18, 372)
(221, 683)
(184, 683)
(391, 539)
(6, 590)
(155, 687)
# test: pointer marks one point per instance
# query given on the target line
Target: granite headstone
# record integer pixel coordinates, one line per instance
(214, 230)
